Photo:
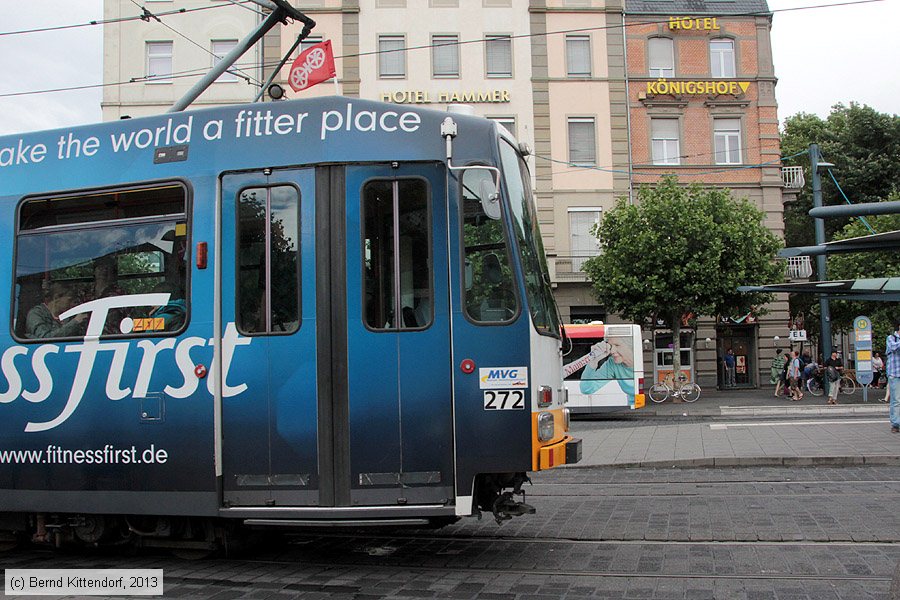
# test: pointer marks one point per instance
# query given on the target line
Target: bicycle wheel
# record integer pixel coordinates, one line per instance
(848, 385)
(658, 392)
(814, 386)
(690, 392)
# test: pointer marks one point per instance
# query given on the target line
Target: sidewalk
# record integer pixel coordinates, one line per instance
(858, 434)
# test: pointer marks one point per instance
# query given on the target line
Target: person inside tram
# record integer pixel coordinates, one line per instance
(43, 320)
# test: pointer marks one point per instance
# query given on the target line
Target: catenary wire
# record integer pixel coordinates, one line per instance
(463, 42)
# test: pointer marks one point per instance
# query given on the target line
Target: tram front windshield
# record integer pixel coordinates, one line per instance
(530, 246)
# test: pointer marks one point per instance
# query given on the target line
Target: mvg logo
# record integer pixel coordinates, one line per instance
(503, 377)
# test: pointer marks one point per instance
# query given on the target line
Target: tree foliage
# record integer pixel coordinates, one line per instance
(862, 265)
(864, 146)
(683, 250)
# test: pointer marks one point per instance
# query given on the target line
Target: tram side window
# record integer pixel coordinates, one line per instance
(397, 254)
(489, 282)
(120, 245)
(268, 280)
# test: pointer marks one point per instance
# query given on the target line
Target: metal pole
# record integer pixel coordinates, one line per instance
(824, 310)
(228, 60)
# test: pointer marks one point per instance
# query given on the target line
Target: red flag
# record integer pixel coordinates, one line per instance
(314, 65)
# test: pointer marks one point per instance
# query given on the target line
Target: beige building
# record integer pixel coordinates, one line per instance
(562, 75)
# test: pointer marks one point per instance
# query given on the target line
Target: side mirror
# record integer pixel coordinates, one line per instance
(490, 199)
(493, 272)
(470, 275)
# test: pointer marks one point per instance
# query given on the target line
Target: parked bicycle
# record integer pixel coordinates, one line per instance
(688, 391)
(816, 385)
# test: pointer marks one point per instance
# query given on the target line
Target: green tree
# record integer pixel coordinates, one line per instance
(682, 250)
(864, 146)
(862, 265)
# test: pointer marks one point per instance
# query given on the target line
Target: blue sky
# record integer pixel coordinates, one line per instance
(822, 56)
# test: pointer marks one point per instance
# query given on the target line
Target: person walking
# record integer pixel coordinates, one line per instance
(729, 368)
(892, 347)
(877, 368)
(777, 369)
(833, 369)
(794, 377)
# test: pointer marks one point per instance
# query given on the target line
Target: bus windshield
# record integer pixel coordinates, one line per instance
(530, 246)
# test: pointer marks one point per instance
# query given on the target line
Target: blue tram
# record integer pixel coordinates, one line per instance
(325, 311)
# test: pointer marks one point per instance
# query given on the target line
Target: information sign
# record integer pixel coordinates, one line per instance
(862, 346)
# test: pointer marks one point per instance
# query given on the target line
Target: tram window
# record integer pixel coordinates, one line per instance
(397, 254)
(489, 283)
(74, 249)
(268, 281)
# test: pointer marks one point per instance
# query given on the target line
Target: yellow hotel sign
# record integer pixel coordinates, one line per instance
(678, 88)
(689, 23)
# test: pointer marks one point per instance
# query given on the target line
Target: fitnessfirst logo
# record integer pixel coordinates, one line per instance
(503, 377)
(90, 349)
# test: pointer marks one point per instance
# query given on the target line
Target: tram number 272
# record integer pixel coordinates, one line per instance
(504, 399)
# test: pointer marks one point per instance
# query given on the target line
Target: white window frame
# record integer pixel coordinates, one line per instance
(151, 57)
(449, 43)
(386, 54)
(571, 42)
(665, 146)
(591, 160)
(504, 70)
(660, 70)
(583, 252)
(727, 136)
(309, 41)
(508, 122)
(722, 60)
(215, 57)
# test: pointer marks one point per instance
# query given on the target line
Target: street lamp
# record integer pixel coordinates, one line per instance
(775, 340)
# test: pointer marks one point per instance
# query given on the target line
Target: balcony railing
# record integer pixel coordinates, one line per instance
(567, 268)
(799, 267)
(792, 177)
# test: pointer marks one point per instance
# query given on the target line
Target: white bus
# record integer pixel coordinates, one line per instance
(604, 370)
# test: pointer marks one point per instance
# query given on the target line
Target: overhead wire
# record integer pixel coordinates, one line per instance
(458, 43)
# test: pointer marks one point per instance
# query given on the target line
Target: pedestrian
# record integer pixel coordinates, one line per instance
(777, 369)
(877, 368)
(833, 369)
(809, 372)
(794, 371)
(892, 351)
(729, 368)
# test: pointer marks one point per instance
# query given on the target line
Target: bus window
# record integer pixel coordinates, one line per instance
(268, 260)
(71, 250)
(397, 254)
(489, 283)
(531, 248)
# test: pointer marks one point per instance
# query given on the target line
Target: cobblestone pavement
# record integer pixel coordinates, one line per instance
(760, 533)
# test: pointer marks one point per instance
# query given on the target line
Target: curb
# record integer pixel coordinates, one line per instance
(754, 461)
(762, 411)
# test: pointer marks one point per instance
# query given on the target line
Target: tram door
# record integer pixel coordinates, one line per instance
(334, 287)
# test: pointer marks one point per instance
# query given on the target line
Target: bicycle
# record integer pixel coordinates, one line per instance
(688, 391)
(816, 388)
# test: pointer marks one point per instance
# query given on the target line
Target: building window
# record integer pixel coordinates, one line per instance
(159, 62)
(578, 55)
(664, 142)
(73, 250)
(582, 142)
(508, 122)
(582, 243)
(445, 56)
(727, 141)
(219, 49)
(721, 58)
(498, 56)
(308, 43)
(662, 57)
(391, 56)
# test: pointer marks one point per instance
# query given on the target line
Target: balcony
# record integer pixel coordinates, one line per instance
(567, 268)
(792, 178)
(798, 267)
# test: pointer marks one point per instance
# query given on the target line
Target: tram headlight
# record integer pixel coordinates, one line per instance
(545, 426)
